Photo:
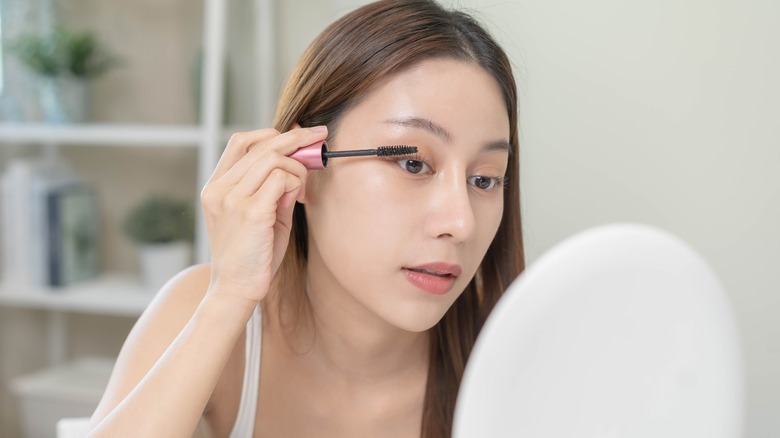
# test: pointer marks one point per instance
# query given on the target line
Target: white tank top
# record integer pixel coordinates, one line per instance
(245, 420)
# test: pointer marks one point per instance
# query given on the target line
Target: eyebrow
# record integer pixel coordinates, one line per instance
(439, 131)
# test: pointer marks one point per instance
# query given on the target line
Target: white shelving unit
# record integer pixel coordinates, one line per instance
(102, 134)
(122, 295)
(108, 295)
(126, 296)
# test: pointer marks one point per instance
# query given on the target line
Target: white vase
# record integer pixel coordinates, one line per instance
(65, 99)
(161, 261)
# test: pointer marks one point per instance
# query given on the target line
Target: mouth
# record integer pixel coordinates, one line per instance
(434, 278)
(426, 271)
(440, 269)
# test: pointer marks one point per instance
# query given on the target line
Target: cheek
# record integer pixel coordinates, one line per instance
(359, 212)
(491, 214)
(492, 223)
(487, 214)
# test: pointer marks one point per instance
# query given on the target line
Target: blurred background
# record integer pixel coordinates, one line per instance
(113, 113)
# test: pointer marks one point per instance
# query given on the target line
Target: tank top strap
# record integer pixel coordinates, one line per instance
(247, 409)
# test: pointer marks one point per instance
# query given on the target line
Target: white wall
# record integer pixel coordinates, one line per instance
(668, 113)
(663, 112)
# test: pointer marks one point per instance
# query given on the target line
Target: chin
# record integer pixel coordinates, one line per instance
(418, 327)
(418, 319)
(420, 312)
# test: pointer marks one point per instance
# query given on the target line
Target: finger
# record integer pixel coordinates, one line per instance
(254, 179)
(237, 147)
(288, 199)
(275, 186)
(282, 144)
(217, 196)
(290, 141)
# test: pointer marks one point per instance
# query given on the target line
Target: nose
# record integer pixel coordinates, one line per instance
(451, 214)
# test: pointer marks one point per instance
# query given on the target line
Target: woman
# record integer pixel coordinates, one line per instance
(372, 277)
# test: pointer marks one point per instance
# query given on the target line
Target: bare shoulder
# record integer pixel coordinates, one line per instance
(176, 301)
(170, 310)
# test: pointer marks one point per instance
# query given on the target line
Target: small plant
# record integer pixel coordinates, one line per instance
(160, 219)
(64, 52)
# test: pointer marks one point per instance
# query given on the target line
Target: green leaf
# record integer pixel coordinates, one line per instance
(77, 53)
(160, 219)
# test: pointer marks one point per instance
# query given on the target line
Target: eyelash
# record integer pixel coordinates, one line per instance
(498, 181)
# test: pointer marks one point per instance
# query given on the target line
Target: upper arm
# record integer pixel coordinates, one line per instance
(167, 314)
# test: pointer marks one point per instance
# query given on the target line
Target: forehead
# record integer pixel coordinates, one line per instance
(459, 96)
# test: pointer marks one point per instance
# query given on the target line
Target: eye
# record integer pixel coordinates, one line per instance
(414, 165)
(485, 182)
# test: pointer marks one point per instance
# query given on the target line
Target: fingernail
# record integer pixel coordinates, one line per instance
(319, 129)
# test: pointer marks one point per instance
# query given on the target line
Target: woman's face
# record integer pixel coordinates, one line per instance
(401, 237)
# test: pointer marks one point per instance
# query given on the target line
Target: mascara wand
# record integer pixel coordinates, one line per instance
(315, 156)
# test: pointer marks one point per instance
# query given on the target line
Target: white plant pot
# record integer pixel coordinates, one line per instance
(160, 262)
(65, 99)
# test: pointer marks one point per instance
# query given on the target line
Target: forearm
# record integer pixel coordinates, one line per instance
(170, 399)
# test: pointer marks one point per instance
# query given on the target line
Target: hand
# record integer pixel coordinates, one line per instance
(248, 204)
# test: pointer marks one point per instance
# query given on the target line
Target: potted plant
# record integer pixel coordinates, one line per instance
(164, 228)
(64, 62)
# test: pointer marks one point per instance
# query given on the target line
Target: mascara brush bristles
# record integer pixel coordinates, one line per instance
(382, 151)
(390, 151)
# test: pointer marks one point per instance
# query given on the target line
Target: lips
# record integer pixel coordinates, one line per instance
(434, 278)
(440, 269)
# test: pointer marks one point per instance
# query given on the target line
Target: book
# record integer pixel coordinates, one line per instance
(20, 216)
(50, 224)
(15, 222)
(73, 233)
(38, 238)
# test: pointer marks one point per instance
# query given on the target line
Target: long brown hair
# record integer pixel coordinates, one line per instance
(349, 59)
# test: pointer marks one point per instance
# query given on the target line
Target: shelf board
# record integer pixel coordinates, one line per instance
(102, 134)
(107, 295)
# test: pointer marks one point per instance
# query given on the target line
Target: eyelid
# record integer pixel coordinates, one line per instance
(417, 156)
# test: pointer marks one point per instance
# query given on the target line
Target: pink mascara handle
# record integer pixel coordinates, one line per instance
(311, 156)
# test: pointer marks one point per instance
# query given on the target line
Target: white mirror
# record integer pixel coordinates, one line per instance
(620, 331)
